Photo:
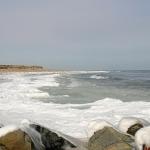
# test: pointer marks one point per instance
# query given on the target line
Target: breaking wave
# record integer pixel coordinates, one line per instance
(18, 103)
(98, 77)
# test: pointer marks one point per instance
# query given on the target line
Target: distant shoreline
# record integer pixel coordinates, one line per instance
(22, 68)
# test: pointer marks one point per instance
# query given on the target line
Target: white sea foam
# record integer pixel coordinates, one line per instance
(85, 72)
(98, 77)
(74, 83)
(23, 87)
(17, 103)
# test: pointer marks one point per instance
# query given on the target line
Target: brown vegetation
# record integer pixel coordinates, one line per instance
(21, 68)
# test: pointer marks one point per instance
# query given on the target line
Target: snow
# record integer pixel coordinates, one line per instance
(142, 137)
(7, 129)
(126, 122)
(96, 125)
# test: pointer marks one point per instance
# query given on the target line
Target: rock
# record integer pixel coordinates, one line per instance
(146, 148)
(15, 140)
(142, 138)
(51, 140)
(96, 125)
(131, 125)
(134, 128)
(110, 139)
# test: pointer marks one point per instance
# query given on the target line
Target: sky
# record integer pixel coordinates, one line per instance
(76, 34)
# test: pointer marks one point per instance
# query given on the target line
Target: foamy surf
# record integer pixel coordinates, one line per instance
(85, 72)
(18, 101)
(98, 77)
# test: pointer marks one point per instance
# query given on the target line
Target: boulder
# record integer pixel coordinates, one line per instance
(15, 140)
(31, 136)
(97, 125)
(110, 139)
(52, 140)
(134, 128)
(142, 138)
(131, 125)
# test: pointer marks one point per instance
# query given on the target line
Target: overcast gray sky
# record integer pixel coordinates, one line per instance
(76, 34)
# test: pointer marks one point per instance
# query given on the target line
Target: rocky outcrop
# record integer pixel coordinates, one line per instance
(109, 139)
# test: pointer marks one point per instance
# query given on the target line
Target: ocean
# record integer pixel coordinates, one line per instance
(68, 101)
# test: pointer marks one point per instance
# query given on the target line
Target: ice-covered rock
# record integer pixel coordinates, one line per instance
(7, 129)
(12, 138)
(108, 138)
(32, 136)
(96, 125)
(131, 125)
(48, 138)
(142, 138)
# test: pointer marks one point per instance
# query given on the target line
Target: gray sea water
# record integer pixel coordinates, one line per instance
(68, 101)
(85, 87)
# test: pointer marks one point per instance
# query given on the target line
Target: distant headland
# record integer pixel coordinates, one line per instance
(21, 68)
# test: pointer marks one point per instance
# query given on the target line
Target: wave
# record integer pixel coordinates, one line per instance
(69, 118)
(85, 72)
(23, 88)
(98, 77)
(72, 119)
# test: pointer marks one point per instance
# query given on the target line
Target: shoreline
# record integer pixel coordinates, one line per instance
(22, 68)
(22, 71)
